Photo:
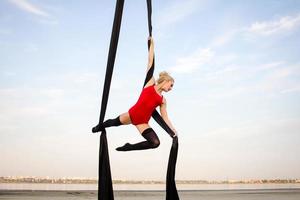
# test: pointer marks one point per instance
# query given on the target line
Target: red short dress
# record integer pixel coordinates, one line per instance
(141, 112)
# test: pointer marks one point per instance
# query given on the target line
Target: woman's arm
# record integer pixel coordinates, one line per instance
(164, 115)
(150, 61)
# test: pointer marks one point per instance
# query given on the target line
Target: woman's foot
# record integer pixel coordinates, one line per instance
(98, 128)
(125, 147)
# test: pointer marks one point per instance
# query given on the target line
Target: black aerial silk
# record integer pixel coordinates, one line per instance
(105, 188)
(171, 189)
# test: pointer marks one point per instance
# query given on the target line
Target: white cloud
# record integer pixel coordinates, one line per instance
(29, 7)
(267, 28)
(283, 78)
(192, 62)
(231, 80)
(263, 28)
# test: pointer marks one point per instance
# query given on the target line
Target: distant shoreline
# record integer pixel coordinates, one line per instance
(47, 180)
(283, 194)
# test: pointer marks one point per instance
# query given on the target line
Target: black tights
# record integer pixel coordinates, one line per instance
(152, 141)
(107, 123)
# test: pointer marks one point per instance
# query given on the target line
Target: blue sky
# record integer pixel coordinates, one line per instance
(235, 102)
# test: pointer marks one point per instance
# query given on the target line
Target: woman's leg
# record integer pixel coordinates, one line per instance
(152, 141)
(123, 119)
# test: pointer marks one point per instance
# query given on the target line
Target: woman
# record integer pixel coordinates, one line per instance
(140, 114)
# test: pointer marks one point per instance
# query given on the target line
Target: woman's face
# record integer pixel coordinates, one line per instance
(168, 86)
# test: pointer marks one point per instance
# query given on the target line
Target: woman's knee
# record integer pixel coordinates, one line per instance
(125, 118)
(155, 143)
(151, 137)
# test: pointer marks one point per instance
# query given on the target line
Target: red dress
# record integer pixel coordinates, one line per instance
(141, 112)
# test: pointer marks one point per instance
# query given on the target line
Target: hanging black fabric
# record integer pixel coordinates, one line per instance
(171, 190)
(105, 189)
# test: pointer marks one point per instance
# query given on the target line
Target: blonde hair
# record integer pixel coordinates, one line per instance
(164, 76)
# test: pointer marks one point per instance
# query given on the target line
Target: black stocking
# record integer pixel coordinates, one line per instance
(152, 141)
(107, 123)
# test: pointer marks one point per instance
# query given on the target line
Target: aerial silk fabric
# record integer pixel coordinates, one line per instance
(171, 190)
(105, 188)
